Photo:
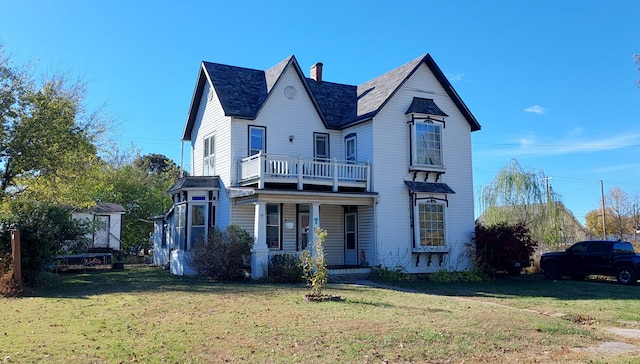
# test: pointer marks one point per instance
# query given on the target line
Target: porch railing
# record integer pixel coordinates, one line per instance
(262, 168)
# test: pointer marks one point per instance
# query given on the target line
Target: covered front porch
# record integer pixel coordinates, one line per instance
(282, 222)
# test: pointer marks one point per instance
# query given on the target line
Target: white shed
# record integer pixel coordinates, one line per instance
(108, 224)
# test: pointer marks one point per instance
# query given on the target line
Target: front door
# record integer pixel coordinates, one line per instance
(351, 238)
(101, 237)
(303, 230)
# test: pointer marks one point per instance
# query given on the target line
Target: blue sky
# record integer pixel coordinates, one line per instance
(552, 83)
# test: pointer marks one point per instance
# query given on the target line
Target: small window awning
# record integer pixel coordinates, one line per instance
(195, 182)
(429, 187)
(424, 106)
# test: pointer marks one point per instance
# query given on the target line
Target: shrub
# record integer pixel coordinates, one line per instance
(381, 273)
(8, 286)
(285, 268)
(221, 257)
(314, 266)
(499, 247)
(44, 229)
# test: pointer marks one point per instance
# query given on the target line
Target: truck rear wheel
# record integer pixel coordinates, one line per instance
(551, 271)
(626, 275)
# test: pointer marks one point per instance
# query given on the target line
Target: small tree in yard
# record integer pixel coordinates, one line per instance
(499, 247)
(221, 257)
(314, 265)
(44, 229)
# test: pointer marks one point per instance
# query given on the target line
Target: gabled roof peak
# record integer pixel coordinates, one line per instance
(242, 92)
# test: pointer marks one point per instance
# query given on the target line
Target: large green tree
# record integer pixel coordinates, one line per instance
(142, 190)
(520, 195)
(48, 142)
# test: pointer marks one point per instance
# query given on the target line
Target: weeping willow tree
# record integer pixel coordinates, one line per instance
(519, 195)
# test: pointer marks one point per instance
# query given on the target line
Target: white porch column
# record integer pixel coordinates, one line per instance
(314, 223)
(260, 251)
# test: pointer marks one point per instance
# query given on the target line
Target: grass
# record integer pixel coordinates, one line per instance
(146, 315)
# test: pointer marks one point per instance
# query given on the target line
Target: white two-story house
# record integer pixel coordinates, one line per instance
(384, 167)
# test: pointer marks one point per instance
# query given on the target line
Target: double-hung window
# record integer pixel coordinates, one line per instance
(430, 225)
(273, 226)
(209, 156)
(257, 139)
(321, 146)
(427, 145)
(180, 226)
(197, 226)
(350, 148)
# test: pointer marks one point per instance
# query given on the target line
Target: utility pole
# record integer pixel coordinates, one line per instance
(604, 213)
(635, 224)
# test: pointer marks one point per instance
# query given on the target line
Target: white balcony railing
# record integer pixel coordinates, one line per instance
(263, 168)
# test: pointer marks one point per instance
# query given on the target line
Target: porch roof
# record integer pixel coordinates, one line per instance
(195, 182)
(247, 195)
(428, 187)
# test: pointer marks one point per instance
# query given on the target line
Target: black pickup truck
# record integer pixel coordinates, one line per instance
(598, 257)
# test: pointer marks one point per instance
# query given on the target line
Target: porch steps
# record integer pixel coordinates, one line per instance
(340, 275)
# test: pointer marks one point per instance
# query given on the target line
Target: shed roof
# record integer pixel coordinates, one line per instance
(429, 187)
(105, 208)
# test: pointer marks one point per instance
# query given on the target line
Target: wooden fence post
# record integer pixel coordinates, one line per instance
(15, 255)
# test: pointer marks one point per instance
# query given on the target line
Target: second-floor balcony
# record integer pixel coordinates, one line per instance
(268, 168)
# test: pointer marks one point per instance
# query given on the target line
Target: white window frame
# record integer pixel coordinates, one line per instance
(427, 229)
(427, 152)
(209, 155)
(255, 149)
(351, 155)
(197, 226)
(324, 139)
(274, 226)
(180, 226)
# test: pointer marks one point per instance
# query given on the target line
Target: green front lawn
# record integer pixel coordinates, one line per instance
(146, 315)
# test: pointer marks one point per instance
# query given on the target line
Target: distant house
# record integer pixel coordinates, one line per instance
(107, 220)
(384, 167)
(565, 228)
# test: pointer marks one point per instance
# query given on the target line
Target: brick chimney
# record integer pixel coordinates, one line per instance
(316, 72)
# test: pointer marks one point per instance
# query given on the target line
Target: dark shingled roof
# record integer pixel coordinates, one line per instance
(424, 106)
(204, 182)
(105, 208)
(243, 91)
(335, 100)
(429, 187)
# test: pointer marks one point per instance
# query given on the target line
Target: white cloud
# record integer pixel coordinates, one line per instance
(616, 168)
(533, 147)
(536, 109)
(456, 77)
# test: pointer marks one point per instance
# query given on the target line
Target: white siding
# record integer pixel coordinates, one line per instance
(364, 141)
(391, 140)
(283, 117)
(331, 220)
(243, 217)
(289, 236)
(366, 234)
(210, 119)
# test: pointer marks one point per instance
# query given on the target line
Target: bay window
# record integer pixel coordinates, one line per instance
(430, 225)
(427, 144)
